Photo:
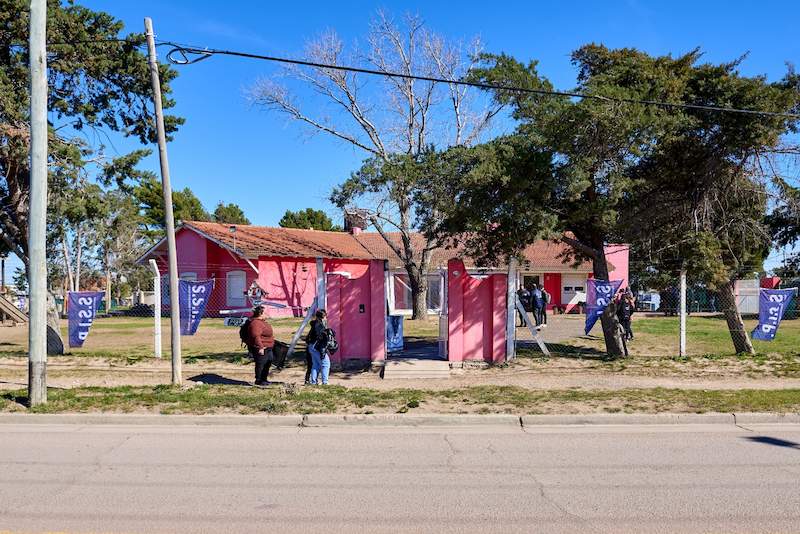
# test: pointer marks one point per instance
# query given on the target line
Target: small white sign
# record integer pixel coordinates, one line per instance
(235, 321)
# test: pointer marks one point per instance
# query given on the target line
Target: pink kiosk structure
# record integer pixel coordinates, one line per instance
(478, 327)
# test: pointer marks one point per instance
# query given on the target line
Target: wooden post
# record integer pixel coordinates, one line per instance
(511, 300)
(321, 288)
(682, 347)
(156, 309)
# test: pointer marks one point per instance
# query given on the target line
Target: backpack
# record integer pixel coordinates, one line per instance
(244, 333)
(331, 345)
(546, 296)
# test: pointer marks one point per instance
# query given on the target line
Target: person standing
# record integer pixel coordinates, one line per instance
(260, 343)
(317, 341)
(537, 302)
(525, 299)
(626, 306)
(546, 301)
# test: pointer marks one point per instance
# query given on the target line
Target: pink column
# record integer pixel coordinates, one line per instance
(477, 294)
(455, 310)
(499, 313)
(377, 311)
(335, 311)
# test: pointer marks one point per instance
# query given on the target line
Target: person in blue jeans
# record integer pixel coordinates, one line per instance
(537, 303)
(317, 346)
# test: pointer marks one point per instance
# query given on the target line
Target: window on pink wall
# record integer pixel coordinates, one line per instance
(402, 292)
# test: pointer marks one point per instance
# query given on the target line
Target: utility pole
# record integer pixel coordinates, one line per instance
(166, 188)
(682, 349)
(37, 215)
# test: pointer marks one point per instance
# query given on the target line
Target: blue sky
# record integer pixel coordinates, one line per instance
(230, 151)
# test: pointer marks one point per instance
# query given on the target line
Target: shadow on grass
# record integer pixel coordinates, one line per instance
(11, 396)
(529, 349)
(218, 380)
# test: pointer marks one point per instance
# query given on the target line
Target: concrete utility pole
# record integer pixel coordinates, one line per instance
(175, 320)
(682, 349)
(37, 216)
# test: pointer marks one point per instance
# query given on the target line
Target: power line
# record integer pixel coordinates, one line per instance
(179, 55)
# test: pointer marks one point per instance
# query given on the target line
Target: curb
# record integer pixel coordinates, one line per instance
(412, 420)
(154, 420)
(400, 420)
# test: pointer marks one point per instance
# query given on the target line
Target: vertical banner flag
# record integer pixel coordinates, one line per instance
(82, 306)
(772, 304)
(193, 298)
(599, 294)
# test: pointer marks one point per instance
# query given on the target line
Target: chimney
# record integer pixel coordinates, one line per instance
(355, 221)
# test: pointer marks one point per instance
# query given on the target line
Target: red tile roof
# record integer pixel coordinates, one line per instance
(254, 241)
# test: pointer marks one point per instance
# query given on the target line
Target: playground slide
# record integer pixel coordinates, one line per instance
(8, 309)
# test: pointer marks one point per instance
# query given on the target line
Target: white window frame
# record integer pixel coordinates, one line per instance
(393, 310)
(241, 300)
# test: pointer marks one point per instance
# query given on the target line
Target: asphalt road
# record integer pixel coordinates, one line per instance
(74, 478)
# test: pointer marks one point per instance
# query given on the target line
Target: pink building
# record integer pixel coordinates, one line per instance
(365, 279)
(283, 261)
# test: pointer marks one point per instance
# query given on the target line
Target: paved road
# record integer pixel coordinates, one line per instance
(73, 478)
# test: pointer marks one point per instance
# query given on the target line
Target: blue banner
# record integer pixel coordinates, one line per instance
(772, 304)
(82, 306)
(599, 294)
(193, 297)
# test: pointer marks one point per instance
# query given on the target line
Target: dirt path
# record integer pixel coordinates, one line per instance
(557, 374)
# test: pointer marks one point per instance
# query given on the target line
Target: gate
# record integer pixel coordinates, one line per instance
(476, 315)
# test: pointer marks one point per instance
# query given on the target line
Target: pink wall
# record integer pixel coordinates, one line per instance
(476, 315)
(293, 281)
(618, 256)
(357, 313)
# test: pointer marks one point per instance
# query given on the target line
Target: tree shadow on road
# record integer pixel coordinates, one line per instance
(777, 442)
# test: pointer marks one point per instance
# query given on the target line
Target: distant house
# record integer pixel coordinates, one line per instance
(283, 262)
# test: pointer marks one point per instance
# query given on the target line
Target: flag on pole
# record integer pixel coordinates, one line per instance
(82, 308)
(193, 296)
(599, 294)
(772, 304)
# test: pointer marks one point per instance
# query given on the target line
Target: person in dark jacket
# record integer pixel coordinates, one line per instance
(626, 305)
(537, 303)
(260, 343)
(317, 342)
(524, 299)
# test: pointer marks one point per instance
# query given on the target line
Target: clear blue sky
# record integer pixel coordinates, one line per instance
(229, 151)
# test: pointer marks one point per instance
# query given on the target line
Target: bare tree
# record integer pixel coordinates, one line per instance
(387, 116)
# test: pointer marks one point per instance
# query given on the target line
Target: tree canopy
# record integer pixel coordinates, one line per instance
(97, 80)
(229, 214)
(309, 219)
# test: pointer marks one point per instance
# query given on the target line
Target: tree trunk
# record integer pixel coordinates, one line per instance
(608, 320)
(419, 294)
(741, 341)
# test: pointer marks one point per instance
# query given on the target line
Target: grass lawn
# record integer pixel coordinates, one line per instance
(131, 338)
(706, 336)
(336, 399)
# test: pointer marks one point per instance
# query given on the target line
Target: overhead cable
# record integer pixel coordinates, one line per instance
(180, 55)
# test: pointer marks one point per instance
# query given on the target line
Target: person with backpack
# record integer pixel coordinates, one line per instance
(546, 300)
(626, 306)
(537, 302)
(321, 342)
(259, 339)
